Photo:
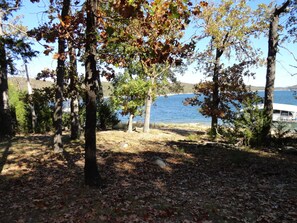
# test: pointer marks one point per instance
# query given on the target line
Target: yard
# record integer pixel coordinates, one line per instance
(197, 180)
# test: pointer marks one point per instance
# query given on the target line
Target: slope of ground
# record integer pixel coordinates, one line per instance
(172, 174)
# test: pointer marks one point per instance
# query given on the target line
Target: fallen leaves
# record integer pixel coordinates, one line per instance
(207, 182)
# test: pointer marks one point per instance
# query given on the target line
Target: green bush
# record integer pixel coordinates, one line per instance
(18, 108)
(107, 115)
(247, 126)
(281, 129)
(43, 104)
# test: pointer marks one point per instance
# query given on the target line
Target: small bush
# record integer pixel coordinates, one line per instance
(247, 126)
(280, 129)
(18, 108)
(42, 100)
(107, 115)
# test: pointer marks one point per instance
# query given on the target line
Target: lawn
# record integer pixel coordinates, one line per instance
(202, 181)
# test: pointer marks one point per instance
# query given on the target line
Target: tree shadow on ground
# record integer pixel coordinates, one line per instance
(4, 152)
(209, 182)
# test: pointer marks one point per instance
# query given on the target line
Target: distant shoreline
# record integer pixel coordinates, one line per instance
(21, 83)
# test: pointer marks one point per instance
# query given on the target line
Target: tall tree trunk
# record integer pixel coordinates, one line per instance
(215, 96)
(58, 144)
(148, 105)
(100, 102)
(273, 40)
(92, 177)
(31, 105)
(130, 123)
(6, 123)
(74, 106)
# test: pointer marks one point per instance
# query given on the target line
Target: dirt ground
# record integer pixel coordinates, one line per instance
(172, 174)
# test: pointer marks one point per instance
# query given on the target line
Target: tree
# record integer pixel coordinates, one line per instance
(291, 25)
(31, 105)
(228, 27)
(43, 102)
(92, 177)
(129, 93)
(74, 103)
(233, 92)
(12, 44)
(69, 32)
(160, 78)
(64, 20)
(150, 35)
(84, 21)
(273, 42)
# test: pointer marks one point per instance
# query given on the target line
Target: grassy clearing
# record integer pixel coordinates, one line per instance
(202, 181)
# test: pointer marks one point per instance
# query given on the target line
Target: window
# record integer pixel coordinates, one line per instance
(286, 113)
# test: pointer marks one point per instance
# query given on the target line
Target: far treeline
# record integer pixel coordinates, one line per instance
(150, 42)
(21, 85)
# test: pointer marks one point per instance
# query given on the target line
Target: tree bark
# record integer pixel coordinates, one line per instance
(31, 105)
(215, 96)
(130, 124)
(74, 104)
(92, 177)
(273, 40)
(6, 123)
(100, 102)
(148, 105)
(58, 144)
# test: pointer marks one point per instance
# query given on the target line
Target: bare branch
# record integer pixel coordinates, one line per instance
(290, 52)
(294, 57)
(292, 74)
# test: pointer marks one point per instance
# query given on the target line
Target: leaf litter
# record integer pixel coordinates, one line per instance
(200, 181)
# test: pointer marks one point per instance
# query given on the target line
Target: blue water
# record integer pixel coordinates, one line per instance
(171, 109)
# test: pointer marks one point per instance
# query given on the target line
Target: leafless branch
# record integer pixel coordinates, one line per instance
(294, 57)
(292, 74)
(290, 52)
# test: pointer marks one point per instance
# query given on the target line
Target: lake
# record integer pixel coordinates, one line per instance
(171, 109)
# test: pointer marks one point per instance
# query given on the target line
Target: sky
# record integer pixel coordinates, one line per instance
(32, 16)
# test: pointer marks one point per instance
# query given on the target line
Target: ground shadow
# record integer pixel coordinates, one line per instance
(210, 182)
(4, 153)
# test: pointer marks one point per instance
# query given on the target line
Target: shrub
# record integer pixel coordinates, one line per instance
(43, 104)
(107, 115)
(280, 129)
(18, 108)
(248, 124)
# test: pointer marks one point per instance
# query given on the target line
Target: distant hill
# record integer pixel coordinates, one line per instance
(260, 88)
(21, 84)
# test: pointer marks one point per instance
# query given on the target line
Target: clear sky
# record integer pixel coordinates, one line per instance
(32, 16)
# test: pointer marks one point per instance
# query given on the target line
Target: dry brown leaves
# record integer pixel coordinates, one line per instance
(202, 182)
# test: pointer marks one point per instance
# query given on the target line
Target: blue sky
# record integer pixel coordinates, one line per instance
(32, 16)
